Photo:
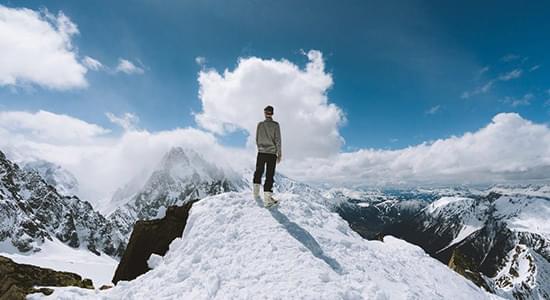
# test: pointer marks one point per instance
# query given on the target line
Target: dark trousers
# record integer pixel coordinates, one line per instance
(265, 159)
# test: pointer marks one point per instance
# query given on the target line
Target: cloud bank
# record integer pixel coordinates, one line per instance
(508, 149)
(36, 48)
(101, 160)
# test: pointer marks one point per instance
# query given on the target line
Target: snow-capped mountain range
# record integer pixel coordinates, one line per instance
(503, 239)
(497, 237)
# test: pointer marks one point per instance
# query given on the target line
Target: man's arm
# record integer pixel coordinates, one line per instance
(257, 130)
(278, 143)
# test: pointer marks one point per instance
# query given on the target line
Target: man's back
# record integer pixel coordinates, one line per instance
(268, 140)
(268, 137)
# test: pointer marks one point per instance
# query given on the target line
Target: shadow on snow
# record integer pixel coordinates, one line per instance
(302, 236)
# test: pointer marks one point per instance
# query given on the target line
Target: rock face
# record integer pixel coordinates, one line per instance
(182, 175)
(18, 280)
(151, 237)
(31, 210)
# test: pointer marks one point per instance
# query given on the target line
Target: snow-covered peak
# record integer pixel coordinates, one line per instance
(187, 164)
(64, 181)
(449, 205)
(233, 248)
(182, 175)
(525, 214)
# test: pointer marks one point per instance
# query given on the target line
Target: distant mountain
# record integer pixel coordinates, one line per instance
(500, 241)
(32, 210)
(65, 183)
(369, 212)
(182, 175)
(498, 237)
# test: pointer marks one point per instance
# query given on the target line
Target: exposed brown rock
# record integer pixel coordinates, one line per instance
(148, 237)
(465, 266)
(105, 287)
(19, 280)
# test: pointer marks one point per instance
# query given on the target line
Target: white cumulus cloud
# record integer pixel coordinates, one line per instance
(36, 48)
(234, 100)
(44, 126)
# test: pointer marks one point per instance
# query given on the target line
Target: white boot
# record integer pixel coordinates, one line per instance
(256, 190)
(269, 200)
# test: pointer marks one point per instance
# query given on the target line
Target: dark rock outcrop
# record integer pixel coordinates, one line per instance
(148, 237)
(19, 280)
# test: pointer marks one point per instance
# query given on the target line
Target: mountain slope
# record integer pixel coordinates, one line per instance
(65, 183)
(499, 241)
(233, 248)
(32, 211)
(182, 175)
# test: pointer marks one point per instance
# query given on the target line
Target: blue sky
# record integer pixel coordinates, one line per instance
(392, 63)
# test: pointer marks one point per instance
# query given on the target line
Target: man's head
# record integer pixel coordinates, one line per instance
(268, 111)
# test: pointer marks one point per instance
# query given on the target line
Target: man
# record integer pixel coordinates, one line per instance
(268, 141)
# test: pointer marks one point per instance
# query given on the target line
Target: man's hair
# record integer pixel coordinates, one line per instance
(268, 110)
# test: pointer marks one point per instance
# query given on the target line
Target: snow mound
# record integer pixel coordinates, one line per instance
(233, 248)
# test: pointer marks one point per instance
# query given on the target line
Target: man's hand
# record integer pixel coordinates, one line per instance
(279, 158)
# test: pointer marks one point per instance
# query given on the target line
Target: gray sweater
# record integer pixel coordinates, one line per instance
(268, 137)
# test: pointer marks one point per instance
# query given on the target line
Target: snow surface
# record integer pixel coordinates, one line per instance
(443, 202)
(60, 257)
(233, 248)
(525, 213)
(465, 232)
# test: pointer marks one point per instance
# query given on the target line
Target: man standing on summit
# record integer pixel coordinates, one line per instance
(268, 141)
